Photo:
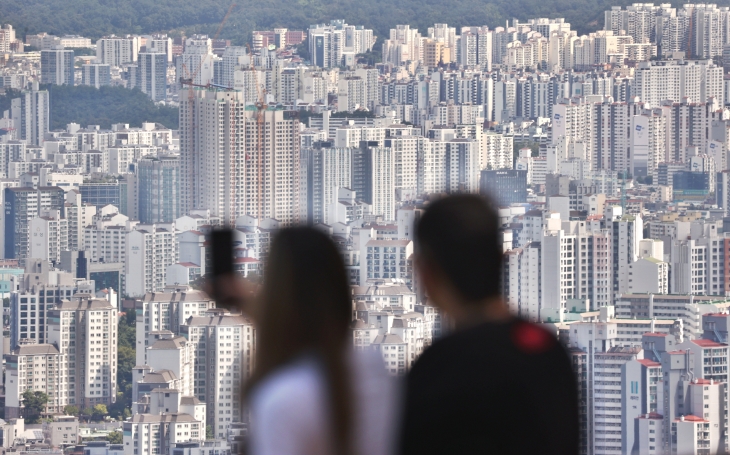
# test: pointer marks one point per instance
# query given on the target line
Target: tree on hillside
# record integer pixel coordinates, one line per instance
(34, 404)
(71, 410)
(105, 106)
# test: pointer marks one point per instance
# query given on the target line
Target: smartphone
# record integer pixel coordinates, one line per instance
(221, 243)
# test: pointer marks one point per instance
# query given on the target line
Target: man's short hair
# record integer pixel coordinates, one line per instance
(460, 236)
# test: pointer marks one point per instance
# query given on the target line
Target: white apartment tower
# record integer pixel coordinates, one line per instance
(225, 351)
(115, 50)
(558, 270)
(152, 75)
(403, 46)
(85, 331)
(48, 236)
(328, 168)
(626, 233)
(656, 82)
(31, 115)
(337, 43)
(234, 165)
(160, 311)
(35, 367)
(149, 434)
(197, 60)
(150, 249)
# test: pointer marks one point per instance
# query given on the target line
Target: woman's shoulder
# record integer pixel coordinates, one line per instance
(298, 383)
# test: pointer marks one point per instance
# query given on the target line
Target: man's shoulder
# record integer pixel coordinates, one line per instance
(511, 340)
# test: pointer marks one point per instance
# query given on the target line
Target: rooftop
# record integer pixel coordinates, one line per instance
(707, 343)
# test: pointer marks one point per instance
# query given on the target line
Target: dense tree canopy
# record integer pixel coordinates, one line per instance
(126, 336)
(115, 437)
(98, 412)
(91, 106)
(34, 404)
(95, 18)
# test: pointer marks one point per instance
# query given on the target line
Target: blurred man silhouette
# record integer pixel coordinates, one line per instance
(496, 384)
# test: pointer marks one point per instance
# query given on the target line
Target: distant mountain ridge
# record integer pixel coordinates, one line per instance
(95, 18)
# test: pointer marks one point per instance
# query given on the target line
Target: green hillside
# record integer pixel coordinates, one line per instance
(94, 18)
(90, 106)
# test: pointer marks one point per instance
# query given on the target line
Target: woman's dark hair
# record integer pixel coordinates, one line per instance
(306, 307)
(460, 235)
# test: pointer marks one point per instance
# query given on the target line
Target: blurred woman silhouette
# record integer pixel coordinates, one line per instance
(310, 392)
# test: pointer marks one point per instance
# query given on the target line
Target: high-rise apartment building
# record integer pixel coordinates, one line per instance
(626, 233)
(386, 259)
(105, 237)
(225, 350)
(159, 44)
(84, 330)
(373, 177)
(167, 310)
(151, 75)
(659, 81)
(48, 236)
(611, 132)
(233, 59)
(79, 215)
(38, 290)
(158, 181)
(77, 366)
(95, 74)
(162, 433)
(57, 66)
(336, 44)
(462, 166)
(117, 50)
(197, 60)
(476, 47)
(328, 168)
(234, 165)
(8, 42)
(31, 115)
(688, 125)
(638, 20)
(150, 250)
(35, 367)
(403, 46)
(21, 206)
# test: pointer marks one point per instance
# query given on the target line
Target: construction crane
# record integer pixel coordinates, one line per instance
(190, 82)
(260, 109)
